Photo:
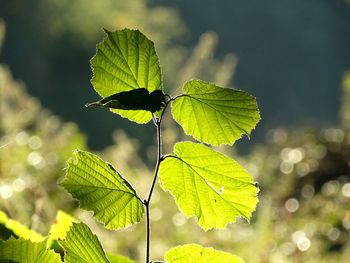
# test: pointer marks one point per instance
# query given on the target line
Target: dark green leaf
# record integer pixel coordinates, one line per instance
(137, 99)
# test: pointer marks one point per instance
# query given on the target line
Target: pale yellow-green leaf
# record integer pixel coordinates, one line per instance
(208, 185)
(60, 227)
(193, 253)
(19, 229)
(118, 258)
(82, 246)
(215, 115)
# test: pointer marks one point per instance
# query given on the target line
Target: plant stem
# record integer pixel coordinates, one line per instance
(148, 229)
(157, 122)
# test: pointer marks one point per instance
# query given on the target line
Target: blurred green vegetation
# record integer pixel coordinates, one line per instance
(58, 38)
(304, 173)
(287, 50)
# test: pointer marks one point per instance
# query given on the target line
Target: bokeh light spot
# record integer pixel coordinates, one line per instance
(300, 239)
(22, 138)
(18, 185)
(156, 214)
(333, 234)
(330, 187)
(286, 167)
(292, 205)
(35, 142)
(6, 191)
(179, 219)
(346, 190)
(308, 191)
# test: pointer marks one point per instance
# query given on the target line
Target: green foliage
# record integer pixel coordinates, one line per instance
(205, 183)
(124, 61)
(305, 203)
(118, 259)
(81, 245)
(100, 188)
(75, 242)
(208, 184)
(195, 253)
(304, 209)
(25, 251)
(18, 230)
(59, 229)
(137, 99)
(34, 146)
(215, 115)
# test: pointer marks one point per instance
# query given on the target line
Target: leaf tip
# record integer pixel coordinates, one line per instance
(106, 30)
(96, 103)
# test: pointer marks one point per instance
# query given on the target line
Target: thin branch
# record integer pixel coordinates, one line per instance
(159, 154)
(157, 122)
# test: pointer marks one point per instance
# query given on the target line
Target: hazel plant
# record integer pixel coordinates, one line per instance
(204, 183)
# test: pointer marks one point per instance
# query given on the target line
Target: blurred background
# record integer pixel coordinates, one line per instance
(294, 56)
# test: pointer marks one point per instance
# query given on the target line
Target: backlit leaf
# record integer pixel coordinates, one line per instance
(81, 245)
(208, 185)
(193, 253)
(215, 115)
(60, 227)
(100, 188)
(118, 259)
(26, 251)
(126, 60)
(17, 229)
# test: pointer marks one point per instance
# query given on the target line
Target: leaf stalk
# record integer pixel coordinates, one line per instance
(160, 158)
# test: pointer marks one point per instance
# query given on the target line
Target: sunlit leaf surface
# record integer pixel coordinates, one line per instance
(118, 259)
(17, 229)
(215, 115)
(25, 251)
(208, 185)
(193, 253)
(100, 188)
(60, 227)
(126, 60)
(81, 245)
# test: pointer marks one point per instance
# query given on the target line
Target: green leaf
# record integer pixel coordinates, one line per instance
(137, 99)
(208, 185)
(60, 227)
(118, 259)
(126, 60)
(215, 115)
(193, 253)
(81, 245)
(100, 188)
(25, 251)
(18, 229)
